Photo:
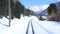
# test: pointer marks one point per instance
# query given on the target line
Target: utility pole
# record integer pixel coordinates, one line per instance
(9, 9)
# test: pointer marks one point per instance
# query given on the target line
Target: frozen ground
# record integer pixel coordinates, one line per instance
(20, 26)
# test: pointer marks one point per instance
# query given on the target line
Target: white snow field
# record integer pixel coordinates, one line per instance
(20, 26)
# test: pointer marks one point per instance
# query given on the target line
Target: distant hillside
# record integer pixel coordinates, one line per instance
(44, 12)
(58, 5)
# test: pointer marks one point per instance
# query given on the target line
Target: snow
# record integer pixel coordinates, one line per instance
(19, 26)
(38, 8)
(58, 0)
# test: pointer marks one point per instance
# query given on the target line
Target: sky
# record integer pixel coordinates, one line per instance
(37, 4)
(28, 3)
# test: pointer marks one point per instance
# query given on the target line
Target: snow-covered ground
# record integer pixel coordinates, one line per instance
(20, 26)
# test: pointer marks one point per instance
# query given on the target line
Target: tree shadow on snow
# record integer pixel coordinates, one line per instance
(4, 24)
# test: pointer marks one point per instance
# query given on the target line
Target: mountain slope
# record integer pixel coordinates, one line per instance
(44, 12)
